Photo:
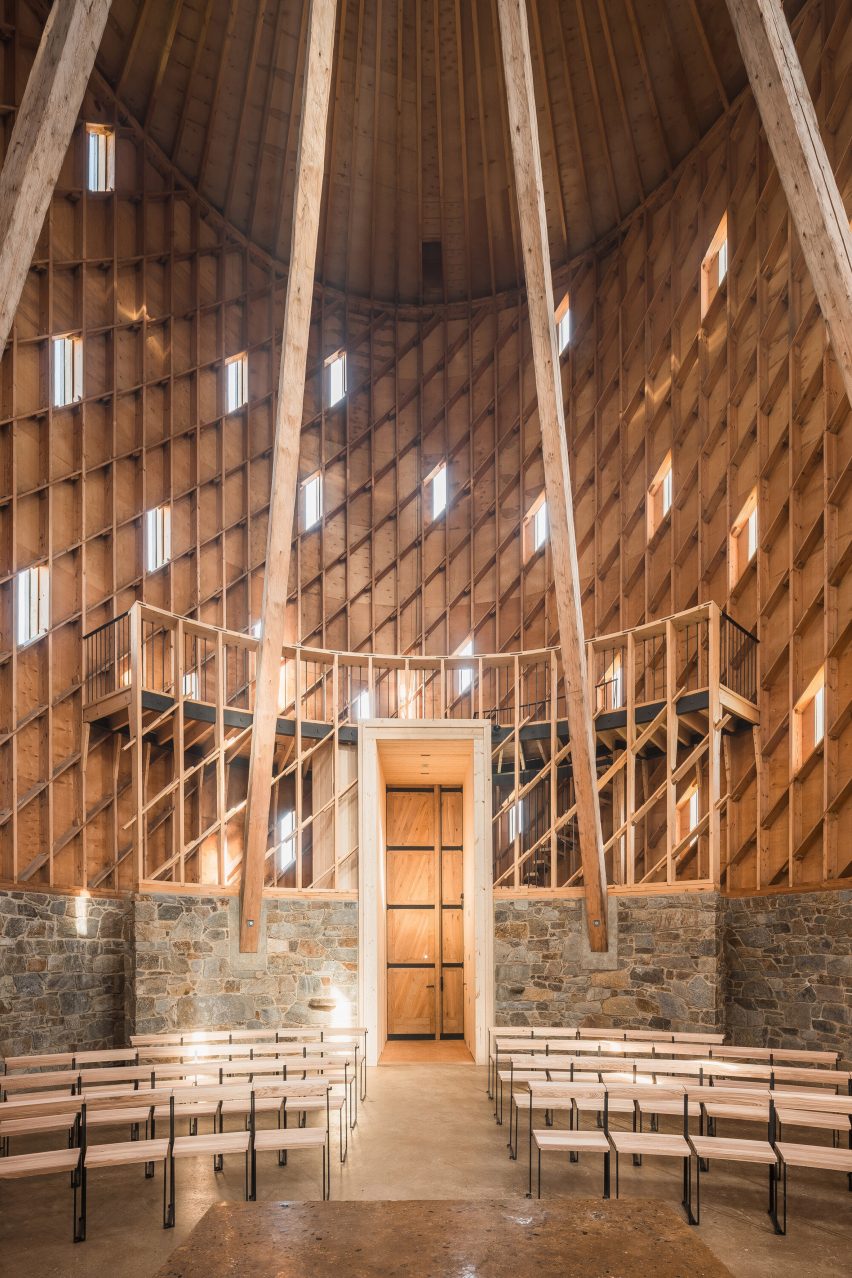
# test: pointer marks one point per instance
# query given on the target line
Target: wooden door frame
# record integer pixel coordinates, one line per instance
(478, 874)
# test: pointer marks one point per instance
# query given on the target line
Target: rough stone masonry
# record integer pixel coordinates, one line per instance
(663, 969)
(78, 972)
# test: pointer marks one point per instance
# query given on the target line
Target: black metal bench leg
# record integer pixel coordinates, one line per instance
(80, 1220)
(606, 1175)
(539, 1173)
(574, 1155)
(687, 1176)
(169, 1207)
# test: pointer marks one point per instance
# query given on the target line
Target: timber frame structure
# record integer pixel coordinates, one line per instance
(163, 287)
(179, 699)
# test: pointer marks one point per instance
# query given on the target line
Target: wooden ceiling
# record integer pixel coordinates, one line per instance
(418, 153)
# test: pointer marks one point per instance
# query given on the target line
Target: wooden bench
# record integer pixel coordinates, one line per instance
(52, 1162)
(574, 1142)
(282, 1140)
(814, 1157)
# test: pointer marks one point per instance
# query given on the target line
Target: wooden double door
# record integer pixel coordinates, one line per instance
(424, 859)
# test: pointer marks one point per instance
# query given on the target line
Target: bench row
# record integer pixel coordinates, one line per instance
(80, 1157)
(776, 1155)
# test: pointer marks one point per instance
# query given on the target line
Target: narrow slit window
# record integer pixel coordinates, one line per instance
(563, 324)
(236, 382)
(688, 813)
(743, 540)
(32, 602)
(158, 538)
(437, 483)
(312, 488)
(535, 527)
(660, 496)
(190, 685)
(336, 366)
(714, 265)
(67, 371)
(611, 687)
(361, 705)
(809, 720)
(286, 841)
(100, 158)
(465, 674)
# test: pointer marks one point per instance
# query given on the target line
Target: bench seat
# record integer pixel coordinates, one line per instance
(570, 1142)
(792, 1116)
(733, 1150)
(817, 1157)
(664, 1144)
(32, 1126)
(211, 1143)
(277, 1138)
(126, 1152)
(44, 1163)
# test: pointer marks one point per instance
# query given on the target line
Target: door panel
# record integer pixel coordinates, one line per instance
(411, 818)
(452, 872)
(411, 1001)
(411, 936)
(452, 809)
(411, 877)
(453, 1002)
(452, 947)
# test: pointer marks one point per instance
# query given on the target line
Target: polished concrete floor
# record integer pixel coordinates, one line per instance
(424, 1132)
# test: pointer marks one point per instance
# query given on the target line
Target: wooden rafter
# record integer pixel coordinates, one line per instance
(517, 66)
(40, 138)
(288, 425)
(815, 203)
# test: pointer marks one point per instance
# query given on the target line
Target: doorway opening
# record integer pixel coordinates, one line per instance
(425, 905)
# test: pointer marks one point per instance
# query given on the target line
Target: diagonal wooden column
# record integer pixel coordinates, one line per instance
(43, 127)
(789, 119)
(285, 460)
(517, 67)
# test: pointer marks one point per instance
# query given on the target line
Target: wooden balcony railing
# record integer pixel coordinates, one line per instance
(196, 682)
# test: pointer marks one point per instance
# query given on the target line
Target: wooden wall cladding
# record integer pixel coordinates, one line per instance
(163, 291)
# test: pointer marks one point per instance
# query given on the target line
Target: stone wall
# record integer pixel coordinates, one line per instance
(663, 968)
(85, 973)
(188, 970)
(789, 970)
(62, 972)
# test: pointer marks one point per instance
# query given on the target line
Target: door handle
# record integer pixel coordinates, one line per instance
(431, 987)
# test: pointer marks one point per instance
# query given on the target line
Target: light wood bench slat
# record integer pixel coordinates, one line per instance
(813, 1118)
(669, 1146)
(211, 1143)
(125, 1153)
(44, 1163)
(564, 1141)
(733, 1150)
(276, 1138)
(818, 1157)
